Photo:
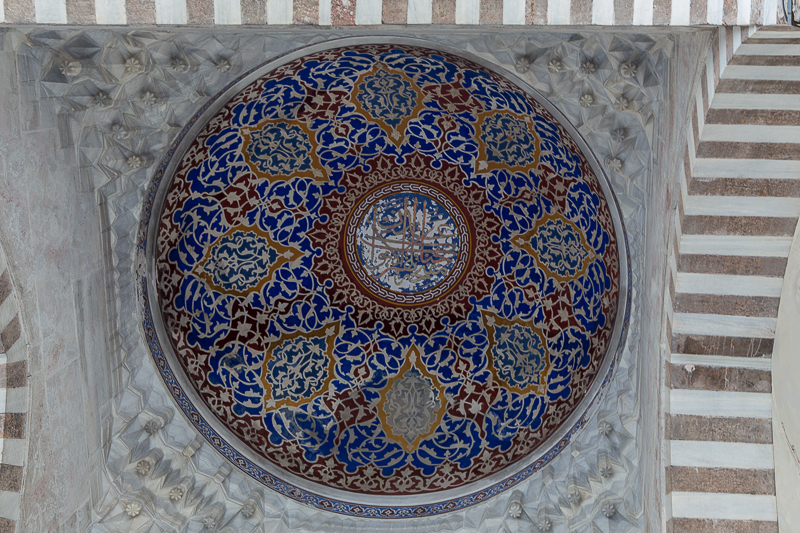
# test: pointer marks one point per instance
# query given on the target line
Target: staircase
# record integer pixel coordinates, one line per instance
(740, 211)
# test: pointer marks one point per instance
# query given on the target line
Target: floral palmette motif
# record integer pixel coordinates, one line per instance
(388, 97)
(412, 403)
(451, 180)
(242, 260)
(277, 149)
(509, 141)
(558, 247)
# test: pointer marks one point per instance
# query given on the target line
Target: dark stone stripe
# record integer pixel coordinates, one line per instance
(80, 11)
(704, 428)
(580, 12)
(538, 11)
(10, 334)
(729, 44)
(12, 425)
(671, 285)
(734, 150)
(254, 11)
(719, 379)
(200, 12)
(756, 87)
(717, 304)
(491, 12)
(5, 286)
(140, 11)
(19, 11)
(7, 526)
(715, 225)
(10, 478)
(734, 265)
(14, 375)
(306, 12)
(444, 12)
(745, 187)
(767, 61)
(779, 27)
(623, 12)
(343, 15)
(697, 12)
(707, 525)
(662, 12)
(730, 346)
(704, 88)
(789, 40)
(756, 10)
(721, 480)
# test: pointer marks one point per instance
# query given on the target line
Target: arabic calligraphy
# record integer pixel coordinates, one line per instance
(408, 240)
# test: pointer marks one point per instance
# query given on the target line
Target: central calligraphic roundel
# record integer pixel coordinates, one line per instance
(407, 243)
(380, 271)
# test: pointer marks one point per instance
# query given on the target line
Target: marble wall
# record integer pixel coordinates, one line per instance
(87, 114)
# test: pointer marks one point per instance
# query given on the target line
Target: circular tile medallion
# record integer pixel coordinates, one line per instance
(407, 243)
(383, 279)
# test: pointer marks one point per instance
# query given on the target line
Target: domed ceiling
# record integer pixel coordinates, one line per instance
(383, 271)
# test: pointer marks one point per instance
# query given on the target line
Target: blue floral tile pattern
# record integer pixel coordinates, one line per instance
(386, 270)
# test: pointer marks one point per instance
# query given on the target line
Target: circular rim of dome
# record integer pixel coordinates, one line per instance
(302, 490)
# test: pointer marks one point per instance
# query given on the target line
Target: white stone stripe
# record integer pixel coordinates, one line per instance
(721, 506)
(369, 12)
(769, 49)
(785, 102)
(741, 206)
(714, 12)
(111, 12)
(710, 454)
(642, 12)
(755, 363)
(324, 12)
(170, 12)
(9, 505)
(281, 12)
(758, 72)
(681, 11)
(736, 245)
(227, 12)
(603, 12)
(14, 400)
(767, 35)
(513, 11)
(50, 11)
(13, 451)
(701, 113)
(8, 310)
(723, 325)
(720, 403)
(770, 12)
(2, 12)
(751, 133)
(743, 16)
(558, 12)
(468, 11)
(745, 168)
(721, 284)
(737, 39)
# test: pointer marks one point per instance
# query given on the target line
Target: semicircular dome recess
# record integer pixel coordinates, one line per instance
(383, 271)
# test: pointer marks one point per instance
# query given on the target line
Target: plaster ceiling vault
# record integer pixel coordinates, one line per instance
(119, 101)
